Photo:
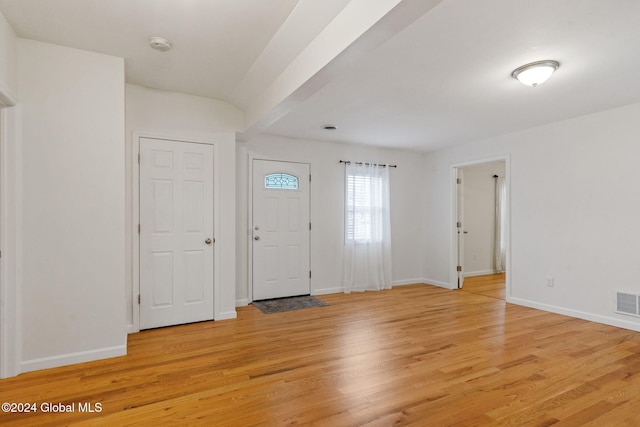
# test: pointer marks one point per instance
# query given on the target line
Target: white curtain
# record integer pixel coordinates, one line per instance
(367, 251)
(499, 242)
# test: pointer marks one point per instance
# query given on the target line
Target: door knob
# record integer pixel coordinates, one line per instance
(208, 241)
(256, 238)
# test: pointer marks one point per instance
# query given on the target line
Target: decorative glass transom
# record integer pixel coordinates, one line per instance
(281, 181)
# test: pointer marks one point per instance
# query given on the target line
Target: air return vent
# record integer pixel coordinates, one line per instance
(627, 303)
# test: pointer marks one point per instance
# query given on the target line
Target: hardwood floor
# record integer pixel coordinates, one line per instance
(491, 285)
(415, 355)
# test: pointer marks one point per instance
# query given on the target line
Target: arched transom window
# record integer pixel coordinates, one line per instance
(280, 181)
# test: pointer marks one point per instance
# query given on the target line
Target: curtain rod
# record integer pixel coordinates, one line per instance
(348, 162)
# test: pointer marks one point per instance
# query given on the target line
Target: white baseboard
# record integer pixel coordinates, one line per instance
(407, 282)
(340, 289)
(225, 315)
(605, 320)
(72, 358)
(325, 291)
(478, 273)
(436, 283)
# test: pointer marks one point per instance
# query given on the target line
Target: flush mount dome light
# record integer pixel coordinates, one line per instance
(535, 73)
(158, 43)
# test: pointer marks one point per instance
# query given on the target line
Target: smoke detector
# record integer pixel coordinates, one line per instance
(159, 43)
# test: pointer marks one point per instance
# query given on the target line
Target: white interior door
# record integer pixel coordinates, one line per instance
(280, 231)
(176, 232)
(460, 225)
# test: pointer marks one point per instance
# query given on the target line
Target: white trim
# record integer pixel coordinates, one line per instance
(242, 302)
(606, 320)
(340, 289)
(407, 282)
(453, 274)
(326, 291)
(135, 236)
(73, 358)
(135, 255)
(439, 284)
(7, 317)
(6, 97)
(10, 232)
(226, 315)
(217, 265)
(251, 156)
(479, 273)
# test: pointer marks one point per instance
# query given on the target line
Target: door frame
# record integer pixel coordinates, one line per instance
(10, 227)
(453, 256)
(460, 227)
(135, 236)
(251, 158)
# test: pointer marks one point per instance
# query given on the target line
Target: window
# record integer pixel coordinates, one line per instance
(366, 204)
(366, 259)
(281, 181)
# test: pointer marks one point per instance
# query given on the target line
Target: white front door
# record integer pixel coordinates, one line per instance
(176, 232)
(280, 229)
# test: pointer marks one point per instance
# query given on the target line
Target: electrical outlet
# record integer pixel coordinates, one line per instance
(549, 281)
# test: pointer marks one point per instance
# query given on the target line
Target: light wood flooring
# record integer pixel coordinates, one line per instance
(415, 355)
(491, 285)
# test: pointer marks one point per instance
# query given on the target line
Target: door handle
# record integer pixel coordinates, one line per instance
(256, 238)
(208, 241)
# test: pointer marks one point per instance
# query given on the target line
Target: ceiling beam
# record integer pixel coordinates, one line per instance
(361, 27)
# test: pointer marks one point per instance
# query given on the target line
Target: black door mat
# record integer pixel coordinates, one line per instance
(278, 305)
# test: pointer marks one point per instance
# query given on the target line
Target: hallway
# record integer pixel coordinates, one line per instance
(491, 285)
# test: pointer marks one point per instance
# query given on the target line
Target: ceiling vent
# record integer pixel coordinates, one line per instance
(627, 303)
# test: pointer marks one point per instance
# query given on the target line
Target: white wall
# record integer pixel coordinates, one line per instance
(8, 58)
(574, 200)
(327, 206)
(479, 215)
(183, 116)
(72, 142)
(10, 349)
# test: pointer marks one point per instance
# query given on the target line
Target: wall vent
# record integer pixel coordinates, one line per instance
(627, 303)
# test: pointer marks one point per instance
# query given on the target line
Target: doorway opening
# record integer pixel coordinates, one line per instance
(480, 237)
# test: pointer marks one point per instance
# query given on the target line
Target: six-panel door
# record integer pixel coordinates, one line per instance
(176, 236)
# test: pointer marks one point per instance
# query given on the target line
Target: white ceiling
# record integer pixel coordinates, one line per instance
(446, 78)
(441, 78)
(222, 49)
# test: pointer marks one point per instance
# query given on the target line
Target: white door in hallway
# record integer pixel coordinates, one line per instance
(176, 232)
(280, 229)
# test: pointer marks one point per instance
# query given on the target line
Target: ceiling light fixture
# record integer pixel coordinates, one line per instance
(535, 73)
(329, 127)
(158, 43)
